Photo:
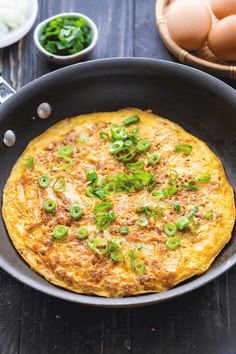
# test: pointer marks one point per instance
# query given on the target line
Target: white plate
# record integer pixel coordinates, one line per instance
(15, 35)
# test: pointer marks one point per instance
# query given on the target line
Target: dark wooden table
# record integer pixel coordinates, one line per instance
(203, 322)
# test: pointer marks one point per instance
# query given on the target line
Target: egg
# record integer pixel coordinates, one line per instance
(223, 8)
(188, 23)
(221, 39)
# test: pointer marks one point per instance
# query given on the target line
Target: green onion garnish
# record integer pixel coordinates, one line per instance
(97, 245)
(139, 246)
(168, 191)
(131, 120)
(185, 148)
(142, 221)
(170, 229)
(136, 263)
(63, 167)
(91, 174)
(124, 230)
(29, 161)
(116, 147)
(113, 250)
(193, 211)
(50, 205)
(102, 206)
(173, 243)
(65, 151)
(177, 206)
(191, 185)
(143, 145)
(59, 184)
(158, 193)
(104, 136)
(134, 135)
(82, 233)
(83, 139)
(43, 181)
(182, 223)
(60, 231)
(204, 177)
(208, 215)
(118, 133)
(136, 165)
(76, 212)
(172, 176)
(154, 158)
(128, 143)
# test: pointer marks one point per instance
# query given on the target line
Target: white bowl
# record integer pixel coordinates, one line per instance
(72, 58)
(18, 33)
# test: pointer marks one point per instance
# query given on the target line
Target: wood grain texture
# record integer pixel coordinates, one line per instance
(203, 322)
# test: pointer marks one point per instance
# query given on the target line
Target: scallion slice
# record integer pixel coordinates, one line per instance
(50, 205)
(60, 231)
(82, 232)
(131, 120)
(182, 223)
(170, 229)
(143, 145)
(43, 181)
(204, 177)
(154, 158)
(173, 243)
(185, 148)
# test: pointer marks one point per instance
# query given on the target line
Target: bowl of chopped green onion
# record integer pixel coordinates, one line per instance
(66, 38)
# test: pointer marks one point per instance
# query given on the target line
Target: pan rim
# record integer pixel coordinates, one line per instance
(140, 300)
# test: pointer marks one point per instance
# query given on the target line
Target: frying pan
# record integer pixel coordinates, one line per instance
(203, 105)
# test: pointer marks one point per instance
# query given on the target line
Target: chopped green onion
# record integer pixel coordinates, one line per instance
(118, 133)
(136, 165)
(154, 158)
(91, 174)
(139, 246)
(172, 176)
(113, 250)
(208, 215)
(168, 191)
(177, 206)
(182, 223)
(102, 206)
(170, 229)
(29, 161)
(97, 245)
(100, 193)
(76, 212)
(64, 167)
(66, 151)
(143, 145)
(116, 147)
(191, 185)
(104, 136)
(134, 135)
(204, 178)
(148, 210)
(173, 243)
(131, 120)
(59, 184)
(142, 221)
(60, 231)
(158, 193)
(43, 181)
(185, 148)
(124, 230)
(82, 232)
(83, 139)
(193, 211)
(50, 205)
(128, 143)
(137, 264)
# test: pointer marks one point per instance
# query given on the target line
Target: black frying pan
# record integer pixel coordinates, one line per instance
(203, 105)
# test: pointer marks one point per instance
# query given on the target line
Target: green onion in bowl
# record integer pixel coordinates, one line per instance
(67, 37)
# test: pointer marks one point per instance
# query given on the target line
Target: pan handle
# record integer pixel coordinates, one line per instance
(6, 91)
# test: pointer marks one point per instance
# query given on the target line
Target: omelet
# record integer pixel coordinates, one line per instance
(118, 204)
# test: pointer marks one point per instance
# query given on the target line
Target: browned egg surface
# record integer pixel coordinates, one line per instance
(108, 262)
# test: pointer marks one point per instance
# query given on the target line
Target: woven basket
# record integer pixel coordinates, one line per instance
(201, 59)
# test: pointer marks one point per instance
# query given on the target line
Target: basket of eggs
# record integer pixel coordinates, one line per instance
(200, 33)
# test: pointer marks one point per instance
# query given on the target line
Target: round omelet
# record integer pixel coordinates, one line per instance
(99, 204)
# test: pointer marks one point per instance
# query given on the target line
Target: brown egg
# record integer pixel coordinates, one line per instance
(222, 40)
(189, 22)
(223, 8)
